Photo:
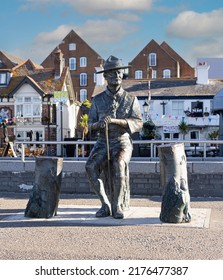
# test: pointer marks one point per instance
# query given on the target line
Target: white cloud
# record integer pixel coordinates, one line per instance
(190, 24)
(93, 6)
(208, 48)
(105, 31)
(101, 33)
(54, 37)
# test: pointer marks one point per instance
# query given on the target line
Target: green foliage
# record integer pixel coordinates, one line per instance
(84, 124)
(148, 130)
(213, 135)
(183, 127)
(87, 103)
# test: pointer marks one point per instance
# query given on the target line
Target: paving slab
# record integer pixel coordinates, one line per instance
(136, 216)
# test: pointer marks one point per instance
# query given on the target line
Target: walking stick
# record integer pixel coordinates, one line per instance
(109, 167)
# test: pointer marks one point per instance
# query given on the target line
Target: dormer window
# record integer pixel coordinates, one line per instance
(3, 79)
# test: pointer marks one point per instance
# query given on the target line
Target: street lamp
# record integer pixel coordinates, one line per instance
(145, 109)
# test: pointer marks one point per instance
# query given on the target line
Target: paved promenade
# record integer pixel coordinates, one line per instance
(76, 234)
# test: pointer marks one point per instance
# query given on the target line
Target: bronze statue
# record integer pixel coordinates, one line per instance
(115, 115)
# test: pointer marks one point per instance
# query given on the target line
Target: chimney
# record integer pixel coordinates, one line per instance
(58, 63)
(202, 73)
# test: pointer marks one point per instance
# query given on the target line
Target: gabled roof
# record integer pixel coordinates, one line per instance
(152, 45)
(18, 83)
(171, 52)
(39, 78)
(71, 37)
(9, 60)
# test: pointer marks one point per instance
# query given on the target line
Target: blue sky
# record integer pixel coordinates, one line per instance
(33, 28)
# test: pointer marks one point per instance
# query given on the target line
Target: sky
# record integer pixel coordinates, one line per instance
(33, 28)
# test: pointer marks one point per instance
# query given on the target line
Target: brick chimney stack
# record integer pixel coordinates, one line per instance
(58, 63)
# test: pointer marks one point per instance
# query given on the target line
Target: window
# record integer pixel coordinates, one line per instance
(166, 73)
(194, 135)
(24, 134)
(83, 95)
(95, 77)
(28, 106)
(171, 136)
(63, 62)
(83, 61)
(153, 74)
(83, 79)
(177, 108)
(166, 136)
(72, 63)
(138, 74)
(3, 78)
(175, 136)
(197, 109)
(72, 47)
(152, 59)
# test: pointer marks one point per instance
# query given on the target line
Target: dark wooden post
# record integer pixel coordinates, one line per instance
(173, 176)
(44, 199)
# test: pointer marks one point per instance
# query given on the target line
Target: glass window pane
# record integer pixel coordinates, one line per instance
(27, 99)
(83, 95)
(36, 110)
(83, 62)
(83, 79)
(19, 110)
(72, 47)
(3, 78)
(72, 63)
(138, 74)
(27, 111)
(152, 59)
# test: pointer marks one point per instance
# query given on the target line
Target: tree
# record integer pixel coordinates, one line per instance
(84, 124)
(183, 127)
(213, 135)
(148, 130)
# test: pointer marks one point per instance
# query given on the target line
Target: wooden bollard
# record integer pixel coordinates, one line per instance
(175, 206)
(44, 198)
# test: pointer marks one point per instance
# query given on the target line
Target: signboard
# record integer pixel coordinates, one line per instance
(170, 129)
(60, 96)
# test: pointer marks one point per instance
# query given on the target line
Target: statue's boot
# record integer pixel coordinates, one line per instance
(104, 211)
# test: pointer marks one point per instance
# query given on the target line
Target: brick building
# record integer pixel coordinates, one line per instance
(159, 61)
(81, 60)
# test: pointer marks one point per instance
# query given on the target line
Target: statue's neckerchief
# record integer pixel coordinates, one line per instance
(116, 101)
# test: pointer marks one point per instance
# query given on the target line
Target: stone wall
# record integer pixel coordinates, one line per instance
(205, 178)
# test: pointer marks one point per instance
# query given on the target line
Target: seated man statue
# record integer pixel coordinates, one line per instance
(115, 115)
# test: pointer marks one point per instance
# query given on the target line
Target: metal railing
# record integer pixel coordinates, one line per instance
(195, 148)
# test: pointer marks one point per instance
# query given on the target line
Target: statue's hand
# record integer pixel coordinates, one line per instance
(103, 121)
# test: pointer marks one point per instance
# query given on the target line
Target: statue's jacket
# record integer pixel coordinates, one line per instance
(121, 105)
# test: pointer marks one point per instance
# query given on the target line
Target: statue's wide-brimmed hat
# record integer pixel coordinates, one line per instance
(112, 63)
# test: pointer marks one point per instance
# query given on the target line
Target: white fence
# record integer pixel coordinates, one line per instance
(142, 148)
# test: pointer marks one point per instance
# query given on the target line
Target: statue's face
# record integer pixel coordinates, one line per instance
(114, 77)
